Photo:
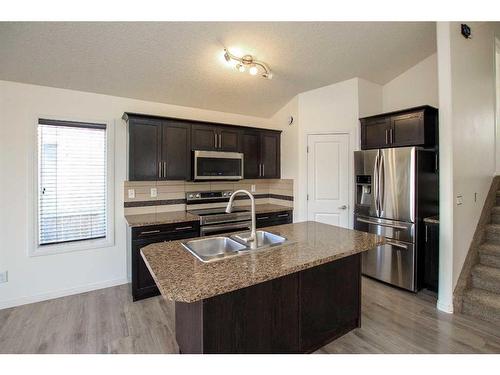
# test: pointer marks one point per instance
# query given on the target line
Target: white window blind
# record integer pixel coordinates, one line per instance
(72, 181)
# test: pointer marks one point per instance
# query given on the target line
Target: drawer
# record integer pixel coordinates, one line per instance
(174, 231)
(397, 230)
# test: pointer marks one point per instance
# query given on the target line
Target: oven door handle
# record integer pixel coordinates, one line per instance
(216, 228)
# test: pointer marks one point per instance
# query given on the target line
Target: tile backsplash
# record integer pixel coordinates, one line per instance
(171, 194)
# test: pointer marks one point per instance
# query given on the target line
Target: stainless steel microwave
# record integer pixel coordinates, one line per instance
(217, 165)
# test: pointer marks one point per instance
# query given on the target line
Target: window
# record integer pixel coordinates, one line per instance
(72, 182)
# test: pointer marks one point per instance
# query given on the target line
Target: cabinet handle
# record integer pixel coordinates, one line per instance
(386, 136)
(159, 169)
(151, 231)
(220, 140)
(183, 228)
(263, 218)
(426, 233)
(391, 136)
(263, 170)
(215, 140)
(283, 215)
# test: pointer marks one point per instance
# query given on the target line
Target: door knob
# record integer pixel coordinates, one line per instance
(343, 207)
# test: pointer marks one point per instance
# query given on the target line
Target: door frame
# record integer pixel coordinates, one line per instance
(350, 169)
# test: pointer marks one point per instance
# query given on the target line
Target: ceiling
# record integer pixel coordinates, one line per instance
(180, 62)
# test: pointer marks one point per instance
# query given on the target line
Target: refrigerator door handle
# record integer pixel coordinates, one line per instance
(375, 183)
(381, 183)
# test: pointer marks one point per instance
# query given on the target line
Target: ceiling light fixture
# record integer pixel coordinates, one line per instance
(248, 61)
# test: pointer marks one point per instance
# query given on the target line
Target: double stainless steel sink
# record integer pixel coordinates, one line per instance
(216, 248)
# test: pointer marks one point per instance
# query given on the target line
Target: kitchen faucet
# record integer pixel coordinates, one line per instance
(229, 209)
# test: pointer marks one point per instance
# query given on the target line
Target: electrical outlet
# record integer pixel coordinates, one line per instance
(4, 277)
(252, 189)
(460, 200)
(131, 193)
(154, 192)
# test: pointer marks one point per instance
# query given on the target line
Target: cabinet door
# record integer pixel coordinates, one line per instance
(144, 149)
(375, 133)
(329, 304)
(270, 154)
(229, 139)
(176, 151)
(408, 129)
(204, 137)
(251, 150)
(431, 263)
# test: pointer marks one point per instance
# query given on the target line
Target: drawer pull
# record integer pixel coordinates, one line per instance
(283, 215)
(150, 231)
(263, 218)
(182, 228)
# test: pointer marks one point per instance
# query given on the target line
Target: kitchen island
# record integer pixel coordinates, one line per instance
(293, 298)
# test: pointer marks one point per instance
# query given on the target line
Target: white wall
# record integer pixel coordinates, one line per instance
(37, 278)
(467, 141)
(289, 143)
(329, 109)
(416, 86)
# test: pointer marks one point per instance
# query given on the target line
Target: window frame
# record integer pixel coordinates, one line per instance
(35, 249)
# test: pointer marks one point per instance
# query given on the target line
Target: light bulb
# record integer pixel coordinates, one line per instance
(240, 68)
(253, 70)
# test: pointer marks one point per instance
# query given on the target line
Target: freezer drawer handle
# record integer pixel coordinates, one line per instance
(396, 245)
(263, 218)
(283, 215)
(381, 224)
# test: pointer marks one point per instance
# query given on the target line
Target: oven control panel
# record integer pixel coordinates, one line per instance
(194, 196)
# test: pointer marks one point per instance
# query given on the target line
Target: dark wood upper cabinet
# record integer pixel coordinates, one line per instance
(204, 137)
(270, 154)
(262, 154)
(411, 127)
(375, 132)
(251, 151)
(229, 139)
(160, 148)
(144, 149)
(176, 150)
(215, 138)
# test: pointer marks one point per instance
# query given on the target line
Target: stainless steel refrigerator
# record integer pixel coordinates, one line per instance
(396, 188)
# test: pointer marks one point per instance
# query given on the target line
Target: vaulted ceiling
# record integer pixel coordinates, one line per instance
(180, 62)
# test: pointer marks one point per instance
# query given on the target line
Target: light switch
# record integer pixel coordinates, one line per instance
(460, 200)
(4, 277)
(131, 193)
(154, 192)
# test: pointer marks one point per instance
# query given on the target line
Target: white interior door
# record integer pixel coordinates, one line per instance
(328, 179)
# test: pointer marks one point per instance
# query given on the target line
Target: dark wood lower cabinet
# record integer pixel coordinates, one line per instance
(297, 313)
(431, 257)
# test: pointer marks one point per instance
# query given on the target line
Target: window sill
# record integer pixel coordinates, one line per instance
(70, 247)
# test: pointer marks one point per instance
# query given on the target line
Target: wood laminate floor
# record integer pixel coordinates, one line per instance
(107, 321)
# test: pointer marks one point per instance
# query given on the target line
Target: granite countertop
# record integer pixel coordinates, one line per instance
(432, 220)
(183, 278)
(141, 220)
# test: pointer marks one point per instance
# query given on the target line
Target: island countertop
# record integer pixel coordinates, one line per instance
(183, 278)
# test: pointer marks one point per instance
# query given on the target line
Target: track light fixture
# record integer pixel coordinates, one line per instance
(248, 62)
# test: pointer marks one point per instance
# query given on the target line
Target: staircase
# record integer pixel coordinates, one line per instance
(482, 297)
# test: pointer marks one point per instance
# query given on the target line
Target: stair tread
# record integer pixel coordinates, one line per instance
(493, 227)
(481, 270)
(475, 296)
(490, 248)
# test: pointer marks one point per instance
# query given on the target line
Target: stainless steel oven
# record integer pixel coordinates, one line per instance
(217, 165)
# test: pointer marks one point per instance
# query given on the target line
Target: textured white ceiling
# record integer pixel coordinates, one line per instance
(180, 62)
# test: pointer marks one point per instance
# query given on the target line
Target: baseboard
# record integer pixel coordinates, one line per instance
(61, 293)
(445, 307)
